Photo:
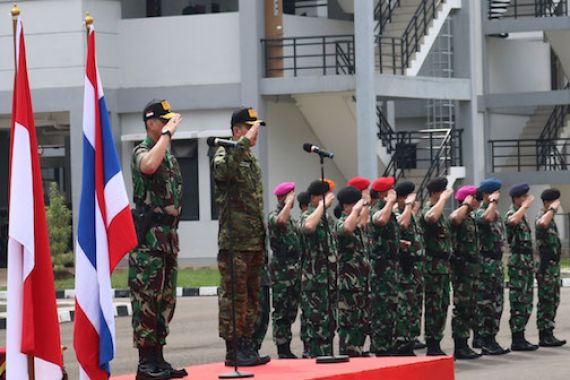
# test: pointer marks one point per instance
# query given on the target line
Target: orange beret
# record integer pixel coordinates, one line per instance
(331, 184)
(359, 182)
(383, 184)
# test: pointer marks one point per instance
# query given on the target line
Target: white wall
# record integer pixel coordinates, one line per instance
(314, 26)
(506, 126)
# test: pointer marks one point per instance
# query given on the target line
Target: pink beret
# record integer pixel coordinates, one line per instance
(464, 192)
(284, 188)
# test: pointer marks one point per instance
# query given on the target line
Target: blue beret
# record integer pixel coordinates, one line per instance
(490, 185)
(518, 190)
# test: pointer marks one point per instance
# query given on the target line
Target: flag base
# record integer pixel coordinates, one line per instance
(235, 375)
(332, 359)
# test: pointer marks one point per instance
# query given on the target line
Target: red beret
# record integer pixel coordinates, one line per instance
(383, 184)
(359, 182)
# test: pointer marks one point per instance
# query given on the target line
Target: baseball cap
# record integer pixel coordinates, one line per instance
(158, 110)
(245, 115)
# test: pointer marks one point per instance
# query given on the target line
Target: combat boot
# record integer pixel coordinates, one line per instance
(249, 346)
(477, 341)
(419, 345)
(547, 339)
(521, 344)
(489, 346)
(405, 350)
(433, 348)
(147, 368)
(243, 356)
(284, 351)
(463, 351)
(166, 366)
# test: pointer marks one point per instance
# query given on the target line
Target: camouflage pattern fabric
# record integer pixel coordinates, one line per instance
(285, 244)
(318, 292)
(353, 289)
(490, 293)
(548, 274)
(521, 272)
(437, 240)
(262, 323)
(384, 279)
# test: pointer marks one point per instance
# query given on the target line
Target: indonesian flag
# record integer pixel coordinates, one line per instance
(105, 231)
(32, 326)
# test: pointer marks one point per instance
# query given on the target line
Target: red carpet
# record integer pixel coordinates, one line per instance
(390, 368)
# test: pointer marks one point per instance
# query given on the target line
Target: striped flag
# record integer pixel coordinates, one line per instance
(105, 231)
(32, 326)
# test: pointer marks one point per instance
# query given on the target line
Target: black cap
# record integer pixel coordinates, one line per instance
(158, 110)
(245, 115)
(349, 195)
(318, 188)
(303, 198)
(374, 194)
(437, 185)
(550, 195)
(404, 188)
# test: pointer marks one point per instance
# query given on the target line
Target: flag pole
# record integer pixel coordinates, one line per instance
(88, 23)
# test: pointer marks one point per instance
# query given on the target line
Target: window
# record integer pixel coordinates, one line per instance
(161, 8)
(213, 206)
(186, 152)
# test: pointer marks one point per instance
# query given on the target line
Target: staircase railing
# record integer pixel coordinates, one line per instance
(383, 14)
(530, 154)
(498, 9)
(385, 131)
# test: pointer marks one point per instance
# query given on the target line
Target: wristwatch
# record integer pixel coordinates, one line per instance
(166, 131)
(493, 201)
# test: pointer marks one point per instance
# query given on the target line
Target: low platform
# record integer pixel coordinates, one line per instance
(389, 368)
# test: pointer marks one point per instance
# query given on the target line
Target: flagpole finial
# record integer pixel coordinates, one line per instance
(15, 11)
(88, 19)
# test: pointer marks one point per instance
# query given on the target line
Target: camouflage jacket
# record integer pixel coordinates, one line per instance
(548, 239)
(385, 240)
(314, 269)
(353, 264)
(414, 235)
(437, 240)
(519, 236)
(285, 244)
(491, 235)
(466, 239)
(237, 177)
(160, 191)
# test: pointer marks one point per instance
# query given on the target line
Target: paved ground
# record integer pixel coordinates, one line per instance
(194, 340)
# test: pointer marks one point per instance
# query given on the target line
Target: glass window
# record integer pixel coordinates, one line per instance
(186, 152)
(160, 8)
(213, 206)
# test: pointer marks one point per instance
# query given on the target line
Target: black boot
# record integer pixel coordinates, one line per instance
(147, 368)
(489, 346)
(167, 367)
(521, 344)
(249, 346)
(477, 341)
(547, 339)
(418, 344)
(243, 358)
(284, 351)
(405, 350)
(433, 348)
(463, 351)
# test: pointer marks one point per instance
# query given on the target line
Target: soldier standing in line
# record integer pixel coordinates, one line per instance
(521, 266)
(384, 277)
(285, 245)
(437, 238)
(411, 255)
(304, 199)
(548, 274)
(465, 271)
(318, 281)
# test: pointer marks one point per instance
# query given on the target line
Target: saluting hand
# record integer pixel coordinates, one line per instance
(329, 198)
(172, 124)
(495, 196)
(528, 201)
(555, 205)
(447, 193)
(290, 198)
(392, 196)
(252, 133)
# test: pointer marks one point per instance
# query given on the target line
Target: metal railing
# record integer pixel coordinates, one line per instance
(555, 124)
(498, 9)
(396, 53)
(529, 154)
(305, 4)
(385, 131)
(309, 55)
(383, 14)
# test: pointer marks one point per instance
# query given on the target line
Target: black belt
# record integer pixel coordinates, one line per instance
(440, 255)
(492, 255)
(164, 219)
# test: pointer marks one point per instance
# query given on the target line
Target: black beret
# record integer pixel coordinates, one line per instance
(318, 188)
(437, 184)
(404, 188)
(349, 195)
(490, 185)
(550, 195)
(374, 194)
(479, 195)
(338, 211)
(519, 190)
(303, 198)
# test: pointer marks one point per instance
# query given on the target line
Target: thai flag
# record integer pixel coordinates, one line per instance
(32, 327)
(105, 231)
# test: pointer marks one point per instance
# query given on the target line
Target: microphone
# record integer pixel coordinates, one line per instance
(310, 148)
(215, 142)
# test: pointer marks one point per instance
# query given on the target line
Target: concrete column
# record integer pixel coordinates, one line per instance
(366, 140)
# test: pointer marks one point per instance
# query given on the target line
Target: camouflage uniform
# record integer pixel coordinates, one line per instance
(237, 177)
(548, 274)
(262, 323)
(465, 277)
(521, 272)
(353, 289)
(490, 293)
(384, 278)
(153, 264)
(286, 275)
(438, 246)
(317, 293)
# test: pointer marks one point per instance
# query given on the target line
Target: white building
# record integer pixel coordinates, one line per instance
(363, 79)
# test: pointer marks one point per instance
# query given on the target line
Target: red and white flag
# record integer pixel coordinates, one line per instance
(32, 323)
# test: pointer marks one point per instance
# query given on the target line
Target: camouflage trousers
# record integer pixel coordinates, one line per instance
(465, 301)
(285, 308)
(548, 281)
(436, 305)
(521, 281)
(262, 323)
(384, 299)
(490, 297)
(318, 327)
(419, 304)
(152, 284)
(408, 326)
(248, 265)
(352, 320)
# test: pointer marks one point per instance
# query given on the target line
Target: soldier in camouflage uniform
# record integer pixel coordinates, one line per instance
(285, 268)
(548, 274)
(437, 239)
(465, 271)
(384, 277)
(408, 327)
(353, 271)
(521, 266)
(262, 323)
(157, 188)
(319, 273)
(239, 197)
